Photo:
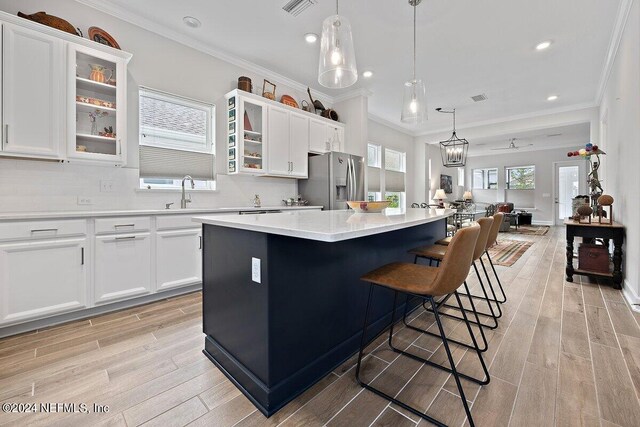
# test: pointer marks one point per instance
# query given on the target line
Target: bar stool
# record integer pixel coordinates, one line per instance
(437, 253)
(427, 283)
(491, 240)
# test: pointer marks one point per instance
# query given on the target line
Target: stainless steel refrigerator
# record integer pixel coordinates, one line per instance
(333, 179)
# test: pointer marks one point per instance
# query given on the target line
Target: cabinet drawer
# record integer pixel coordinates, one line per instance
(123, 224)
(167, 222)
(42, 229)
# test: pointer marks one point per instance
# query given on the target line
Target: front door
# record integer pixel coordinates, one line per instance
(569, 182)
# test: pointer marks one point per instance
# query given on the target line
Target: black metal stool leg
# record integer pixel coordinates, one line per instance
(380, 393)
(495, 273)
(454, 372)
(473, 339)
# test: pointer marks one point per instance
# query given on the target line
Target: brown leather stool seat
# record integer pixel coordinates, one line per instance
(437, 252)
(433, 251)
(426, 283)
(444, 241)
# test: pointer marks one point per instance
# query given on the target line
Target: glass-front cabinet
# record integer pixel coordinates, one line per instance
(246, 126)
(96, 126)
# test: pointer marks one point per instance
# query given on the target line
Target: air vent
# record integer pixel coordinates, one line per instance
(478, 98)
(553, 135)
(296, 7)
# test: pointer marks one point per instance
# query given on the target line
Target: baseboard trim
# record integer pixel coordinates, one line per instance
(630, 295)
(549, 223)
(94, 311)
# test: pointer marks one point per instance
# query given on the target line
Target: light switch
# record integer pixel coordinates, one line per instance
(106, 186)
(255, 270)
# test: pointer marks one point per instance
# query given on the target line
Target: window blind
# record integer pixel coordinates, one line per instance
(156, 162)
(394, 181)
(373, 179)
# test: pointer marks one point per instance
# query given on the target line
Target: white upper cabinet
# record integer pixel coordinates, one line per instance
(96, 99)
(325, 137)
(63, 97)
(318, 136)
(279, 141)
(269, 137)
(32, 93)
(299, 145)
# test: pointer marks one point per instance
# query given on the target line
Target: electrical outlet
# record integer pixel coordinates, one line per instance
(85, 200)
(546, 194)
(106, 186)
(255, 270)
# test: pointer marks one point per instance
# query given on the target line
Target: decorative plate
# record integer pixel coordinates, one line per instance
(368, 207)
(288, 100)
(101, 36)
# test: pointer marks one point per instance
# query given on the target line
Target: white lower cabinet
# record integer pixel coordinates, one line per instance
(42, 278)
(178, 258)
(122, 267)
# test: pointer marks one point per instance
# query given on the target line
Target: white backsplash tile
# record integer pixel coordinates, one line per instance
(33, 186)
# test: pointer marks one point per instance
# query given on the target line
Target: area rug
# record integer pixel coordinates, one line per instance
(507, 252)
(532, 230)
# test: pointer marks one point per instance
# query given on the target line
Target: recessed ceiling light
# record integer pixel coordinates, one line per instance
(552, 97)
(543, 45)
(366, 74)
(191, 22)
(311, 38)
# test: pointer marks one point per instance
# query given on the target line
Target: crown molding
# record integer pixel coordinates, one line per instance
(532, 115)
(142, 22)
(389, 124)
(614, 44)
(352, 94)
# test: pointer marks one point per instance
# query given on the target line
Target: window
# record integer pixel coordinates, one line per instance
(374, 155)
(176, 139)
(521, 178)
(394, 160)
(485, 179)
(393, 175)
(461, 177)
(394, 165)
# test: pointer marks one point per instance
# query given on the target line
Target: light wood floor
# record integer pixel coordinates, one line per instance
(564, 354)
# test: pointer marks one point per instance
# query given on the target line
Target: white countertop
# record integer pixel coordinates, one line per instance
(12, 216)
(327, 226)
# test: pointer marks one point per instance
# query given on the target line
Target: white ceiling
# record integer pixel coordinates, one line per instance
(465, 48)
(571, 137)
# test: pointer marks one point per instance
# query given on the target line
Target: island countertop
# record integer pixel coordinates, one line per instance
(327, 226)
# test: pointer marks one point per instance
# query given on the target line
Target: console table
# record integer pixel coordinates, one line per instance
(592, 231)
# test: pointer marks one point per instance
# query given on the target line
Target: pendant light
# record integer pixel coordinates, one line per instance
(414, 103)
(454, 150)
(337, 68)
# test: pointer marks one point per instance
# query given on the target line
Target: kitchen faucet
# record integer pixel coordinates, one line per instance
(184, 200)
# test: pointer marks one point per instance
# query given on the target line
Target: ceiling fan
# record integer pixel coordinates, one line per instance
(512, 145)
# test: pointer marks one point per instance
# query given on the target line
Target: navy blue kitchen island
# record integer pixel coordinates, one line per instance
(283, 304)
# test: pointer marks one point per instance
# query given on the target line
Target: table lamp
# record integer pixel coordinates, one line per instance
(440, 196)
(467, 196)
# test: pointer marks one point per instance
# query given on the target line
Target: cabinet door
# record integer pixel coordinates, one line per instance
(40, 279)
(278, 142)
(33, 99)
(317, 136)
(97, 77)
(122, 267)
(178, 258)
(335, 137)
(299, 133)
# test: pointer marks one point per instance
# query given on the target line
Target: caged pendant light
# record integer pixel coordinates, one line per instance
(453, 150)
(414, 103)
(337, 68)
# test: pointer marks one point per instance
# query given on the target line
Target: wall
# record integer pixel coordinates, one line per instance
(540, 201)
(426, 145)
(620, 114)
(157, 63)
